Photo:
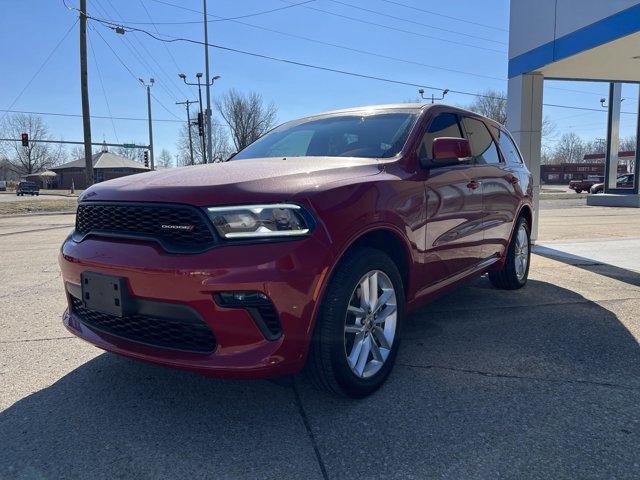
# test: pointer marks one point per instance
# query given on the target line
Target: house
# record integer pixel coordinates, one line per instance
(106, 166)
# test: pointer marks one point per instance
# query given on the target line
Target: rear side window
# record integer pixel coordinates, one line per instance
(509, 149)
(483, 148)
(444, 125)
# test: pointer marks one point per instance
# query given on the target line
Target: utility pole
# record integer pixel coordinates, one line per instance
(206, 66)
(84, 86)
(149, 85)
(187, 103)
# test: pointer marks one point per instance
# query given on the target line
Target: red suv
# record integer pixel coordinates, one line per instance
(308, 248)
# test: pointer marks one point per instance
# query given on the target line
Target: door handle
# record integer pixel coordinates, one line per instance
(473, 184)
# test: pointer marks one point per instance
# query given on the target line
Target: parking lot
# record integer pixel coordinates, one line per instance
(538, 383)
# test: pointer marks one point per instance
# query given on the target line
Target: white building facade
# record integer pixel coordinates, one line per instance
(591, 40)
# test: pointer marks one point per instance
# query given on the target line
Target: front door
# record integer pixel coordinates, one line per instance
(454, 209)
(499, 184)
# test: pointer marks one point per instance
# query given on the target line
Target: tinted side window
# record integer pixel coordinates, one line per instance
(483, 148)
(509, 149)
(444, 125)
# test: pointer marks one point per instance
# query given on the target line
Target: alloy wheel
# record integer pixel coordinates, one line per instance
(521, 252)
(370, 324)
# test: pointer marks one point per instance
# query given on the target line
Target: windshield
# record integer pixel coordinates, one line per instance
(378, 135)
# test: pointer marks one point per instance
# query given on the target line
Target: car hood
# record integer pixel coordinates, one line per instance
(239, 181)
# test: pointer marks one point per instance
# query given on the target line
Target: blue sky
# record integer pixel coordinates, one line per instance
(29, 29)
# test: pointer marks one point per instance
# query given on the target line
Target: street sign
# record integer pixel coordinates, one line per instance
(129, 145)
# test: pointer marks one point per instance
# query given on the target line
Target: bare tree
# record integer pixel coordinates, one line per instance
(629, 144)
(221, 148)
(37, 156)
(570, 149)
(134, 154)
(247, 116)
(165, 159)
(493, 104)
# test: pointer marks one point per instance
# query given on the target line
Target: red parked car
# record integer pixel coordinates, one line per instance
(308, 248)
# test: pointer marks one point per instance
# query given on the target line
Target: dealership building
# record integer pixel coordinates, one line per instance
(589, 40)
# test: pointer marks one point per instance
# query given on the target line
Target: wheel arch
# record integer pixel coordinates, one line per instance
(388, 241)
(382, 237)
(527, 212)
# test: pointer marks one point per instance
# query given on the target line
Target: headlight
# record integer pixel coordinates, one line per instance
(260, 221)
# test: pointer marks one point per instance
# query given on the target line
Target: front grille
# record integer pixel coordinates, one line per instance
(193, 336)
(176, 227)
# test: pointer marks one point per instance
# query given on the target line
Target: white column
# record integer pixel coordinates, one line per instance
(613, 136)
(524, 121)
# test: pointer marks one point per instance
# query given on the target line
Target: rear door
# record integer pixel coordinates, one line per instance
(454, 208)
(500, 184)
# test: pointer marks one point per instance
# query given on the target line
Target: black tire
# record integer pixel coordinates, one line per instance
(327, 365)
(507, 277)
(578, 190)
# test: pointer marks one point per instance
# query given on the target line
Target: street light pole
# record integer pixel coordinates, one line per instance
(187, 103)
(149, 85)
(204, 142)
(206, 68)
(208, 128)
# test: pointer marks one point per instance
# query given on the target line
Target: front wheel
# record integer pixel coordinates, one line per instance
(578, 190)
(356, 337)
(515, 270)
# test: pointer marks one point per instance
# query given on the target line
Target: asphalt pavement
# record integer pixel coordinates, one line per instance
(12, 197)
(543, 382)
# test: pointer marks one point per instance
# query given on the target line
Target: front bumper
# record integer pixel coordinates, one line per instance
(290, 273)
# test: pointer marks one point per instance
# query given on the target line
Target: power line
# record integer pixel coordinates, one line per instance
(175, 63)
(264, 12)
(342, 47)
(131, 72)
(42, 65)
(354, 19)
(171, 93)
(104, 92)
(383, 14)
(99, 117)
(133, 75)
(218, 19)
(388, 27)
(171, 39)
(165, 108)
(444, 16)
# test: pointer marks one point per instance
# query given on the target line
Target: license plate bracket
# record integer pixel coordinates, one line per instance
(104, 293)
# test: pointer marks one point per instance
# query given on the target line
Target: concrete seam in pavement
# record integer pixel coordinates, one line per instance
(40, 214)
(307, 426)
(36, 230)
(47, 339)
(520, 377)
(547, 304)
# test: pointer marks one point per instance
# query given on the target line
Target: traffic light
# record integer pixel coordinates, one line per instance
(200, 124)
(25, 139)
(146, 158)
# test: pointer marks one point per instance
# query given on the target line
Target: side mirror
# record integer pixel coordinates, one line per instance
(449, 151)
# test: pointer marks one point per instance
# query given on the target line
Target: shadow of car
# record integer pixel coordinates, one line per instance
(538, 383)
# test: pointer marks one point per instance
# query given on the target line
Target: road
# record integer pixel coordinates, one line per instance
(12, 197)
(538, 383)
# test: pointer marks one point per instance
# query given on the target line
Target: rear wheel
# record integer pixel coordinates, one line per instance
(356, 336)
(578, 190)
(515, 270)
